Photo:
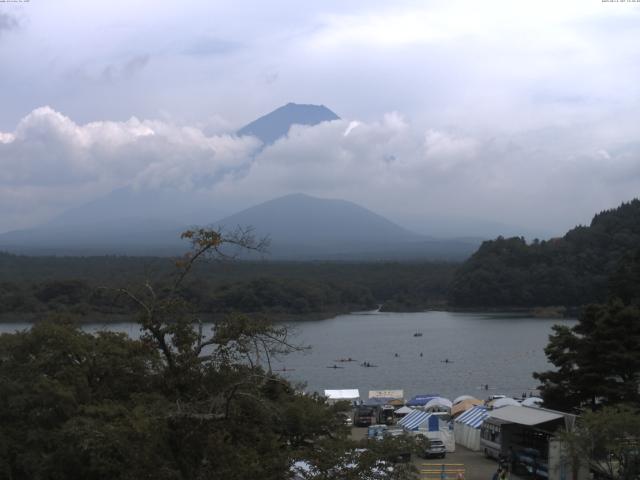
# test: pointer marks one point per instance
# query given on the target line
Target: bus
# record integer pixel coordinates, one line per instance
(364, 416)
(491, 438)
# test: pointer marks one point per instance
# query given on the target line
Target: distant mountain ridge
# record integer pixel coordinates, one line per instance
(276, 124)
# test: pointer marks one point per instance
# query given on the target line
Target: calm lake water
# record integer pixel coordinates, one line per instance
(499, 350)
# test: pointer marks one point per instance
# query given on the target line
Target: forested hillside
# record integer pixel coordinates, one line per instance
(571, 271)
(33, 286)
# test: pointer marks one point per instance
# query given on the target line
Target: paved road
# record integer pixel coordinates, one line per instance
(474, 464)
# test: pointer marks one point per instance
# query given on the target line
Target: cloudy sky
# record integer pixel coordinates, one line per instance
(524, 113)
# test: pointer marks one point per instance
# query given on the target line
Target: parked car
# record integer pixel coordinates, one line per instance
(348, 418)
(436, 449)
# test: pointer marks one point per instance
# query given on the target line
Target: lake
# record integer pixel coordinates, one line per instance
(498, 350)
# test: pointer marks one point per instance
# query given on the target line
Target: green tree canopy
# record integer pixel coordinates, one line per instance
(177, 403)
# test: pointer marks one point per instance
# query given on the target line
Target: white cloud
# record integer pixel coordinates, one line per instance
(549, 179)
(57, 163)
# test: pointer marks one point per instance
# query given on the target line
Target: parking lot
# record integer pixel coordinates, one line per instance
(474, 465)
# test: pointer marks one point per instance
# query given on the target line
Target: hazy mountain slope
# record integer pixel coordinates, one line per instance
(302, 227)
(111, 237)
(305, 220)
(170, 206)
(276, 124)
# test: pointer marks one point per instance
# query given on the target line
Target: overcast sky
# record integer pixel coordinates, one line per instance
(525, 113)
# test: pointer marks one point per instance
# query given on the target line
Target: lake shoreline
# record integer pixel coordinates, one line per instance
(556, 312)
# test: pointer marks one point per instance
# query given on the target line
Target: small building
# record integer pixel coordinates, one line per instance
(390, 397)
(525, 436)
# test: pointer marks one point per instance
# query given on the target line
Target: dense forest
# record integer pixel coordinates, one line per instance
(31, 286)
(570, 271)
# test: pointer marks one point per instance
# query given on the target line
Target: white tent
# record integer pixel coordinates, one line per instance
(419, 422)
(418, 419)
(466, 428)
(404, 410)
(463, 397)
(438, 404)
(532, 402)
(337, 395)
(503, 402)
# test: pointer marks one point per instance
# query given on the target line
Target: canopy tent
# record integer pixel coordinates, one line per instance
(404, 410)
(418, 419)
(504, 402)
(466, 428)
(463, 397)
(337, 395)
(532, 402)
(420, 400)
(464, 405)
(438, 404)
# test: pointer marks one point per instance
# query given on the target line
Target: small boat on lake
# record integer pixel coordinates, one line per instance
(417, 334)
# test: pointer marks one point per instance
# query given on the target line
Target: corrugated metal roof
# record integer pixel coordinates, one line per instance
(473, 417)
(525, 415)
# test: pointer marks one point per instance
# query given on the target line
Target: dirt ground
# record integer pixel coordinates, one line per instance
(473, 465)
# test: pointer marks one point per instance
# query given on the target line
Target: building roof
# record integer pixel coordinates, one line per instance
(349, 394)
(386, 394)
(525, 415)
(473, 417)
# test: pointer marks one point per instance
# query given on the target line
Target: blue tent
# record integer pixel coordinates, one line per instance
(420, 400)
(473, 417)
(466, 427)
(418, 418)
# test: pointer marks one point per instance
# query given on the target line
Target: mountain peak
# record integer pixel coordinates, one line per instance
(306, 220)
(277, 123)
